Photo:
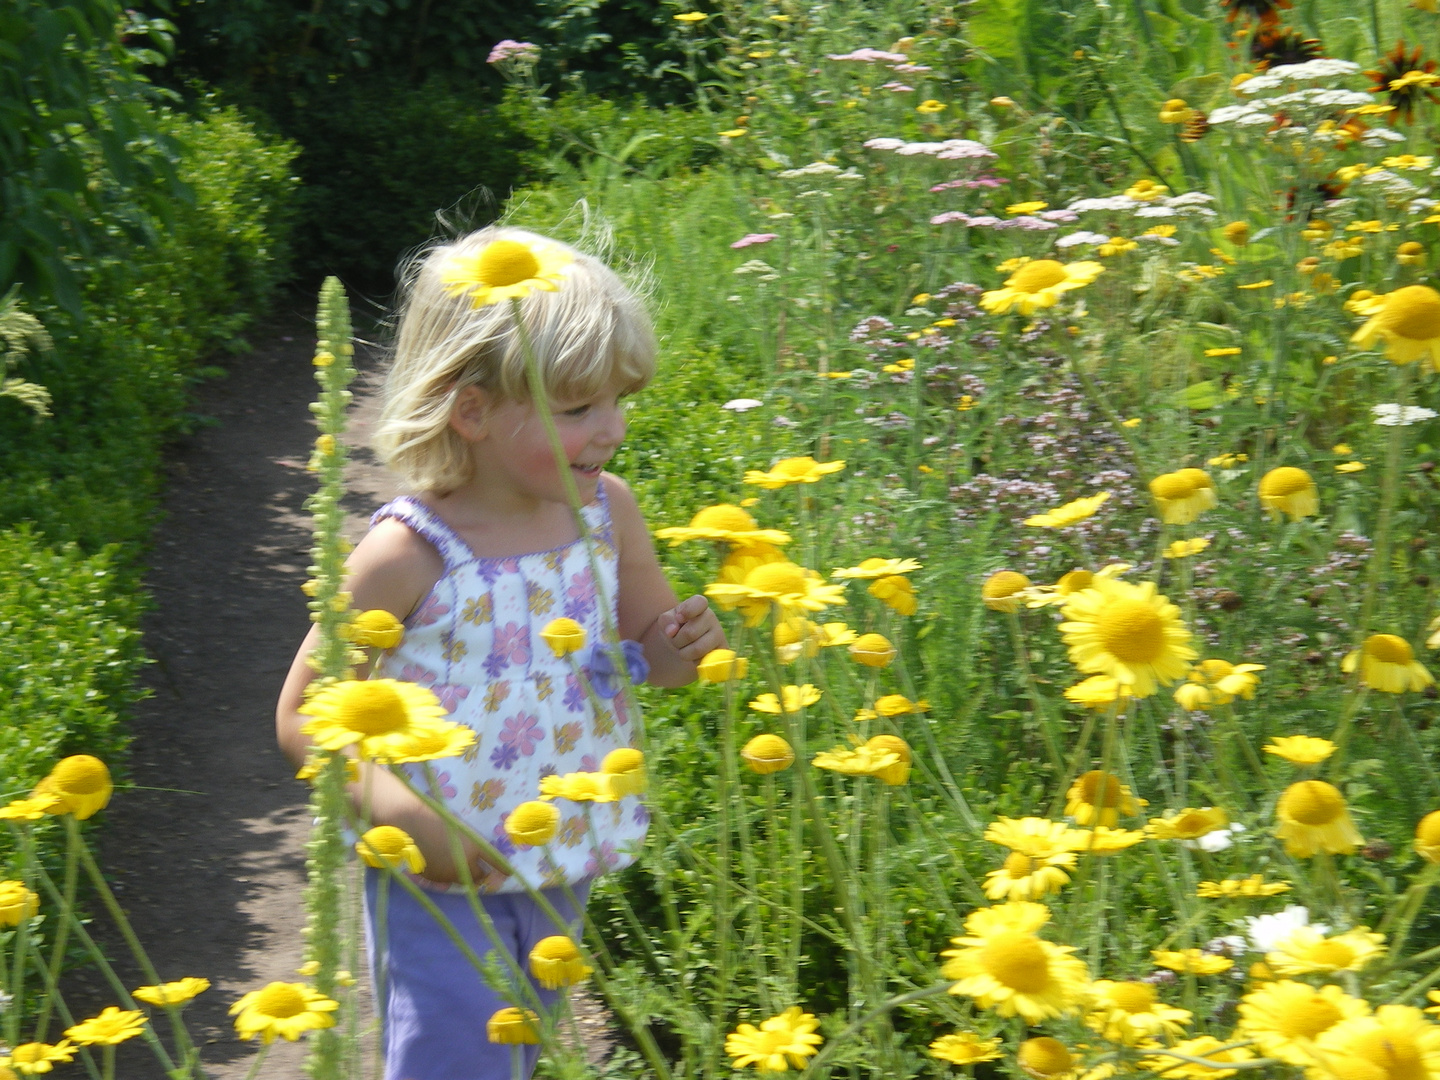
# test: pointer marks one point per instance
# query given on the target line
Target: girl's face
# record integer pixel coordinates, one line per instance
(519, 454)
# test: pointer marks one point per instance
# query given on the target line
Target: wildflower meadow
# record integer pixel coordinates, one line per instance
(1048, 404)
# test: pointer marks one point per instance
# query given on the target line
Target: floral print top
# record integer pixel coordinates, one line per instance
(475, 641)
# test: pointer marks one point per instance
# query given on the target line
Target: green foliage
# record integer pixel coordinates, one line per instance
(76, 130)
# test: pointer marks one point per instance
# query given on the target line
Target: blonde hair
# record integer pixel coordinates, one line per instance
(591, 331)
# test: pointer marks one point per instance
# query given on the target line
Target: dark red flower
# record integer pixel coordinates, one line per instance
(1276, 45)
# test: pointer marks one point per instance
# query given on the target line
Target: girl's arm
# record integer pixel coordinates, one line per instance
(675, 636)
(391, 569)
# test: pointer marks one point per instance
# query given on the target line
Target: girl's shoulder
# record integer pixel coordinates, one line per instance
(393, 568)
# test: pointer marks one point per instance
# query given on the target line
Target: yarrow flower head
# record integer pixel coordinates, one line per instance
(1393, 415)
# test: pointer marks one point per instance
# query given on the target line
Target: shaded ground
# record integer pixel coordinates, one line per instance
(207, 852)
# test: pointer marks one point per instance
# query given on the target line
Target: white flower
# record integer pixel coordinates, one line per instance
(1229, 114)
(1218, 840)
(1155, 211)
(1081, 238)
(964, 148)
(1267, 931)
(754, 266)
(1390, 415)
(1380, 136)
(1114, 202)
(883, 144)
(815, 168)
(1190, 198)
(742, 404)
(850, 174)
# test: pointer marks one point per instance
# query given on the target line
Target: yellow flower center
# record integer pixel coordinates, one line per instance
(1428, 831)
(387, 841)
(623, 760)
(371, 708)
(1017, 960)
(1410, 247)
(1133, 997)
(1018, 865)
(767, 748)
(1044, 1057)
(556, 947)
(80, 775)
(1389, 649)
(1414, 313)
(777, 579)
(1392, 1055)
(1313, 802)
(1284, 481)
(1002, 584)
(506, 262)
(533, 817)
(1132, 631)
(724, 516)
(280, 1000)
(1305, 1021)
(1090, 785)
(1175, 485)
(1332, 953)
(1037, 275)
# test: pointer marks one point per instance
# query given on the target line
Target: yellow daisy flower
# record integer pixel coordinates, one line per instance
(564, 636)
(1427, 837)
(1002, 589)
(1387, 663)
(1037, 837)
(171, 993)
(1070, 584)
(1017, 916)
(533, 823)
(1099, 797)
(1188, 824)
(1286, 1017)
(1044, 1058)
(965, 1048)
(792, 700)
(1183, 549)
(429, 743)
(506, 269)
(798, 470)
(896, 592)
(766, 754)
(1128, 632)
(387, 845)
(1192, 961)
(1026, 877)
(1145, 190)
(1218, 682)
(1097, 692)
(375, 629)
(1409, 323)
(1207, 1047)
(867, 759)
(1300, 749)
(722, 665)
(1306, 951)
(1103, 840)
(625, 766)
(1396, 1043)
(1015, 209)
(17, 903)
(723, 523)
(1290, 491)
(513, 1027)
(287, 1010)
(556, 962)
(80, 784)
(781, 584)
(1016, 974)
(112, 1027)
(899, 771)
(1313, 817)
(1039, 284)
(37, 1057)
(30, 809)
(1072, 513)
(877, 568)
(873, 650)
(578, 787)
(1131, 1012)
(1176, 111)
(1252, 886)
(899, 705)
(377, 716)
(778, 1044)
(1184, 495)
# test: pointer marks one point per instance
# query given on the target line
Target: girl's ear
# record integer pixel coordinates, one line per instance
(470, 415)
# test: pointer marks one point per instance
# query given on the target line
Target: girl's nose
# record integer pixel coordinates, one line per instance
(612, 431)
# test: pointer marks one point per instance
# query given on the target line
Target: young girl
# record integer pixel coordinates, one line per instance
(475, 564)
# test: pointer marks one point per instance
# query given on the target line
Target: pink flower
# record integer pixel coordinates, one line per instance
(513, 50)
(755, 238)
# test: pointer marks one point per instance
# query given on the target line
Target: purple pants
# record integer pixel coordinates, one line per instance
(435, 1004)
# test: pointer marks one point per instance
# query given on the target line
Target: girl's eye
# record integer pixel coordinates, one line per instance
(579, 410)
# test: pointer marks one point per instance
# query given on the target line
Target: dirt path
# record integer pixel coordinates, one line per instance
(207, 854)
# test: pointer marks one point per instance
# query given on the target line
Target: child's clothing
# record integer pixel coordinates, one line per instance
(475, 641)
(434, 1003)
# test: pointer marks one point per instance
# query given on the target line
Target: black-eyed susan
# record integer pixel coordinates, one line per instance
(1291, 491)
(1307, 951)
(80, 784)
(1044, 1058)
(1409, 323)
(1098, 797)
(1313, 817)
(625, 766)
(511, 1026)
(765, 754)
(38, 1057)
(1285, 1017)
(1387, 663)
(17, 903)
(1192, 961)
(1396, 1043)
(797, 470)
(390, 846)
(1039, 284)
(1029, 877)
(282, 1010)
(1206, 1047)
(1003, 590)
(1246, 887)
(782, 585)
(873, 650)
(1300, 749)
(377, 716)
(778, 1044)
(1016, 973)
(171, 993)
(895, 591)
(506, 269)
(1427, 837)
(1188, 824)
(877, 568)
(722, 665)
(578, 787)
(1072, 513)
(110, 1028)
(532, 823)
(790, 700)
(555, 961)
(1184, 495)
(965, 1048)
(723, 523)
(1128, 632)
(564, 636)
(1131, 1012)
